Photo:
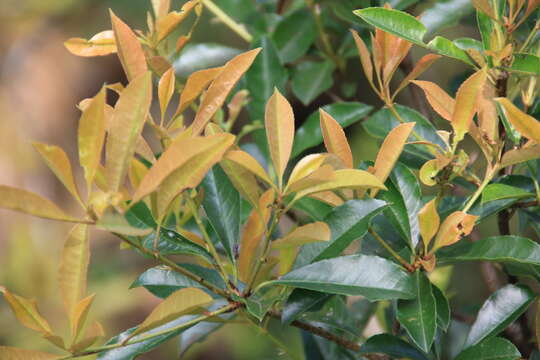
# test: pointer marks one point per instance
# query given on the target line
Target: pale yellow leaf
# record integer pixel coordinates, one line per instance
(161, 7)
(11, 353)
(524, 123)
(467, 104)
(321, 175)
(126, 126)
(328, 197)
(279, 125)
(335, 139)
(195, 84)
(166, 89)
(137, 171)
(93, 334)
(440, 101)
(453, 228)
(180, 302)
(78, 316)
(101, 44)
(429, 221)
(26, 312)
(304, 167)
(365, 57)
(245, 160)
(314, 232)
(221, 86)
(130, 51)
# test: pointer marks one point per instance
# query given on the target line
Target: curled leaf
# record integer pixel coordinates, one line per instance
(101, 44)
(453, 228)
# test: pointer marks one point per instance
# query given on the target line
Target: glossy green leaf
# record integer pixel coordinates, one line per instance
(491, 349)
(301, 301)
(315, 209)
(312, 79)
(172, 243)
(446, 47)
(445, 13)
(385, 280)
(501, 191)
(485, 27)
(395, 22)
(222, 206)
(419, 316)
(294, 35)
(443, 308)
(500, 309)
(309, 133)
(526, 63)
(391, 345)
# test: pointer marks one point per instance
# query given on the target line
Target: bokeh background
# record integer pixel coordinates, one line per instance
(40, 85)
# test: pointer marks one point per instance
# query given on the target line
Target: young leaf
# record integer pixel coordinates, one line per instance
(93, 334)
(365, 57)
(421, 66)
(314, 232)
(418, 316)
(306, 166)
(500, 309)
(243, 180)
(181, 302)
(523, 154)
(220, 88)
(32, 204)
(91, 136)
(126, 126)
(455, 226)
(525, 124)
(440, 101)
(385, 280)
(74, 267)
(491, 349)
(161, 7)
(279, 125)
(195, 84)
(59, 164)
(335, 140)
(245, 160)
(166, 90)
(11, 353)
(101, 44)
(130, 51)
(167, 23)
(26, 312)
(79, 315)
(429, 221)
(467, 104)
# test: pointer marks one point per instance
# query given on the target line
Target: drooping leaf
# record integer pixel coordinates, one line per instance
(126, 126)
(525, 124)
(385, 280)
(523, 154)
(491, 349)
(335, 140)
(419, 316)
(500, 309)
(26, 312)
(101, 44)
(311, 79)
(12, 353)
(421, 66)
(130, 51)
(294, 35)
(440, 101)
(391, 345)
(221, 86)
(279, 125)
(195, 84)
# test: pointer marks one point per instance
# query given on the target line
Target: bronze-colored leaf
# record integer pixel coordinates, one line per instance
(167, 23)
(101, 44)
(365, 57)
(440, 101)
(453, 228)
(523, 154)
(161, 7)
(93, 334)
(195, 84)
(307, 165)
(166, 90)
(335, 139)
(422, 65)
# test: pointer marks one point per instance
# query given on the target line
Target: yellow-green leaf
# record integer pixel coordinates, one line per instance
(117, 223)
(11, 353)
(26, 312)
(78, 316)
(279, 124)
(517, 156)
(57, 160)
(314, 232)
(32, 204)
(428, 172)
(245, 160)
(440, 101)
(126, 126)
(74, 267)
(335, 139)
(243, 180)
(453, 228)
(130, 51)
(101, 44)
(181, 302)
(221, 87)
(429, 221)
(321, 175)
(195, 84)
(166, 89)
(91, 136)
(525, 124)
(467, 104)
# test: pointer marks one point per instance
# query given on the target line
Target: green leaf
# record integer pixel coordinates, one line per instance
(526, 64)
(265, 73)
(505, 249)
(491, 349)
(443, 308)
(395, 22)
(162, 281)
(445, 13)
(202, 56)
(222, 206)
(172, 243)
(315, 209)
(140, 216)
(485, 27)
(260, 302)
(347, 222)
(446, 47)
(345, 113)
(501, 191)
(301, 301)
(391, 345)
(419, 316)
(405, 201)
(294, 35)
(469, 43)
(500, 309)
(312, 79)
(370, 276)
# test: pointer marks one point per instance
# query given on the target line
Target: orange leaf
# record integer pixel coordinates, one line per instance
(422, 65)
(166, 90)
(26, 312)
(161, 7)
(101, 44)
(365, 57)
(487, 112)
(429, 221)
(525, 124)
(453, 228)
(307, 165)
(245, 160)
(323, 174)
(440, 101)
(93, 334)
(167, 23)
(195, 84)
(221, 87)
(335, 139)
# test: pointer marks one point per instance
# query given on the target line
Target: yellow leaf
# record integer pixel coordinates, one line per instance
(127, 123)
(56, 341)
(422, 65)
(167, 23)
(243, 180)
(390, 151)
(525, 124)
(32, 204)
(142, 148)
(161, 7)
(429, 221)
(180, 302)
(467, 104)
(91, 136)
(130, 51)
(365, 57)
(220, 88)
(94, 333)
(26, 312)
(428, 172)
(440, 101)
(166, 89)
(328, 197)
(11, 353)
(195, 84)
(74, 267)
(344, 179)
(101, 44)
(321, 175)
(314, 232)
(279, 125)
(252, 236)
(453, 228)
(59, 164)
(335, 139)
(78, 316)
(137, 172)
(517, 156)
(245, 160)
(307, 165)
